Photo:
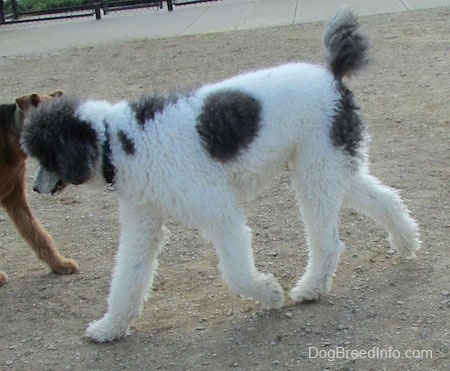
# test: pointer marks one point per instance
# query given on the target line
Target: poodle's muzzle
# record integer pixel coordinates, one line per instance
(47, 182)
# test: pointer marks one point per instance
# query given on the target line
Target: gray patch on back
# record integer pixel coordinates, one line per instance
(146, 107)
(347, 130)
(228, 123)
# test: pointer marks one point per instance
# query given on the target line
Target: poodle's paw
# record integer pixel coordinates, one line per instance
(268, 291)
(306, 291)
(406, 245)
(106, 330)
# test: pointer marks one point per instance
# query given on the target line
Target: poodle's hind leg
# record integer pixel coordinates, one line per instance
(142, 238)
(233, 242)
(319, 185)
(367, 195)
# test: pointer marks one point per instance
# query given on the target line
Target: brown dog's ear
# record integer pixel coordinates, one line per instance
(56, 93)
(35, 99)
(27, 101)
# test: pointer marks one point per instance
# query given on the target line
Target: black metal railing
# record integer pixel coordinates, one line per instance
(14, 14)
(171, 3)
(85, 9)
(109, 6)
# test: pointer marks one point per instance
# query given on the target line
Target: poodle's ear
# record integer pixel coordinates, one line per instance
(62, 142)
(77, 152)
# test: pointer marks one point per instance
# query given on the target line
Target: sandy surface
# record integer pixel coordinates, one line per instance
(399, 311)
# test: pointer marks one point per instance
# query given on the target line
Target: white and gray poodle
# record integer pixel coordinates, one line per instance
(196, 157)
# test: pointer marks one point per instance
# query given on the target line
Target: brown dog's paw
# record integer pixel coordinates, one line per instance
(65, 266)
(3, 278)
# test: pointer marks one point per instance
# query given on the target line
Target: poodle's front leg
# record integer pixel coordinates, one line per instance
(142, 238)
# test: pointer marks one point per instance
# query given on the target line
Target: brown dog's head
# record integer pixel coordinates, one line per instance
(12, 117)
(29, 101)
(32, 100)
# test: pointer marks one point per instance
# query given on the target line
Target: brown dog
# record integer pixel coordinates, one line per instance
(12, 185)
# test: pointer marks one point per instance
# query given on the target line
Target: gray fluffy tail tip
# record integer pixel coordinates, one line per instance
(346, 46)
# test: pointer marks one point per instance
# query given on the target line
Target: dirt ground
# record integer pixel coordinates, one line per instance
(382, 313)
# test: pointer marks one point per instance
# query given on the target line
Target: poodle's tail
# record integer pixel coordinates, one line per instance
(345, 46)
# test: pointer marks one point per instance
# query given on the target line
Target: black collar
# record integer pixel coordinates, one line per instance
(109, 171)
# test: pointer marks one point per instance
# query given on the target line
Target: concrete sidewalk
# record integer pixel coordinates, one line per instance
(220, 16)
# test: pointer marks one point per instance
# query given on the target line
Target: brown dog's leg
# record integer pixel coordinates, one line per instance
(30, 228)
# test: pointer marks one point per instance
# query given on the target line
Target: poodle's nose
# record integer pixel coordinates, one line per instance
(36, 189)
